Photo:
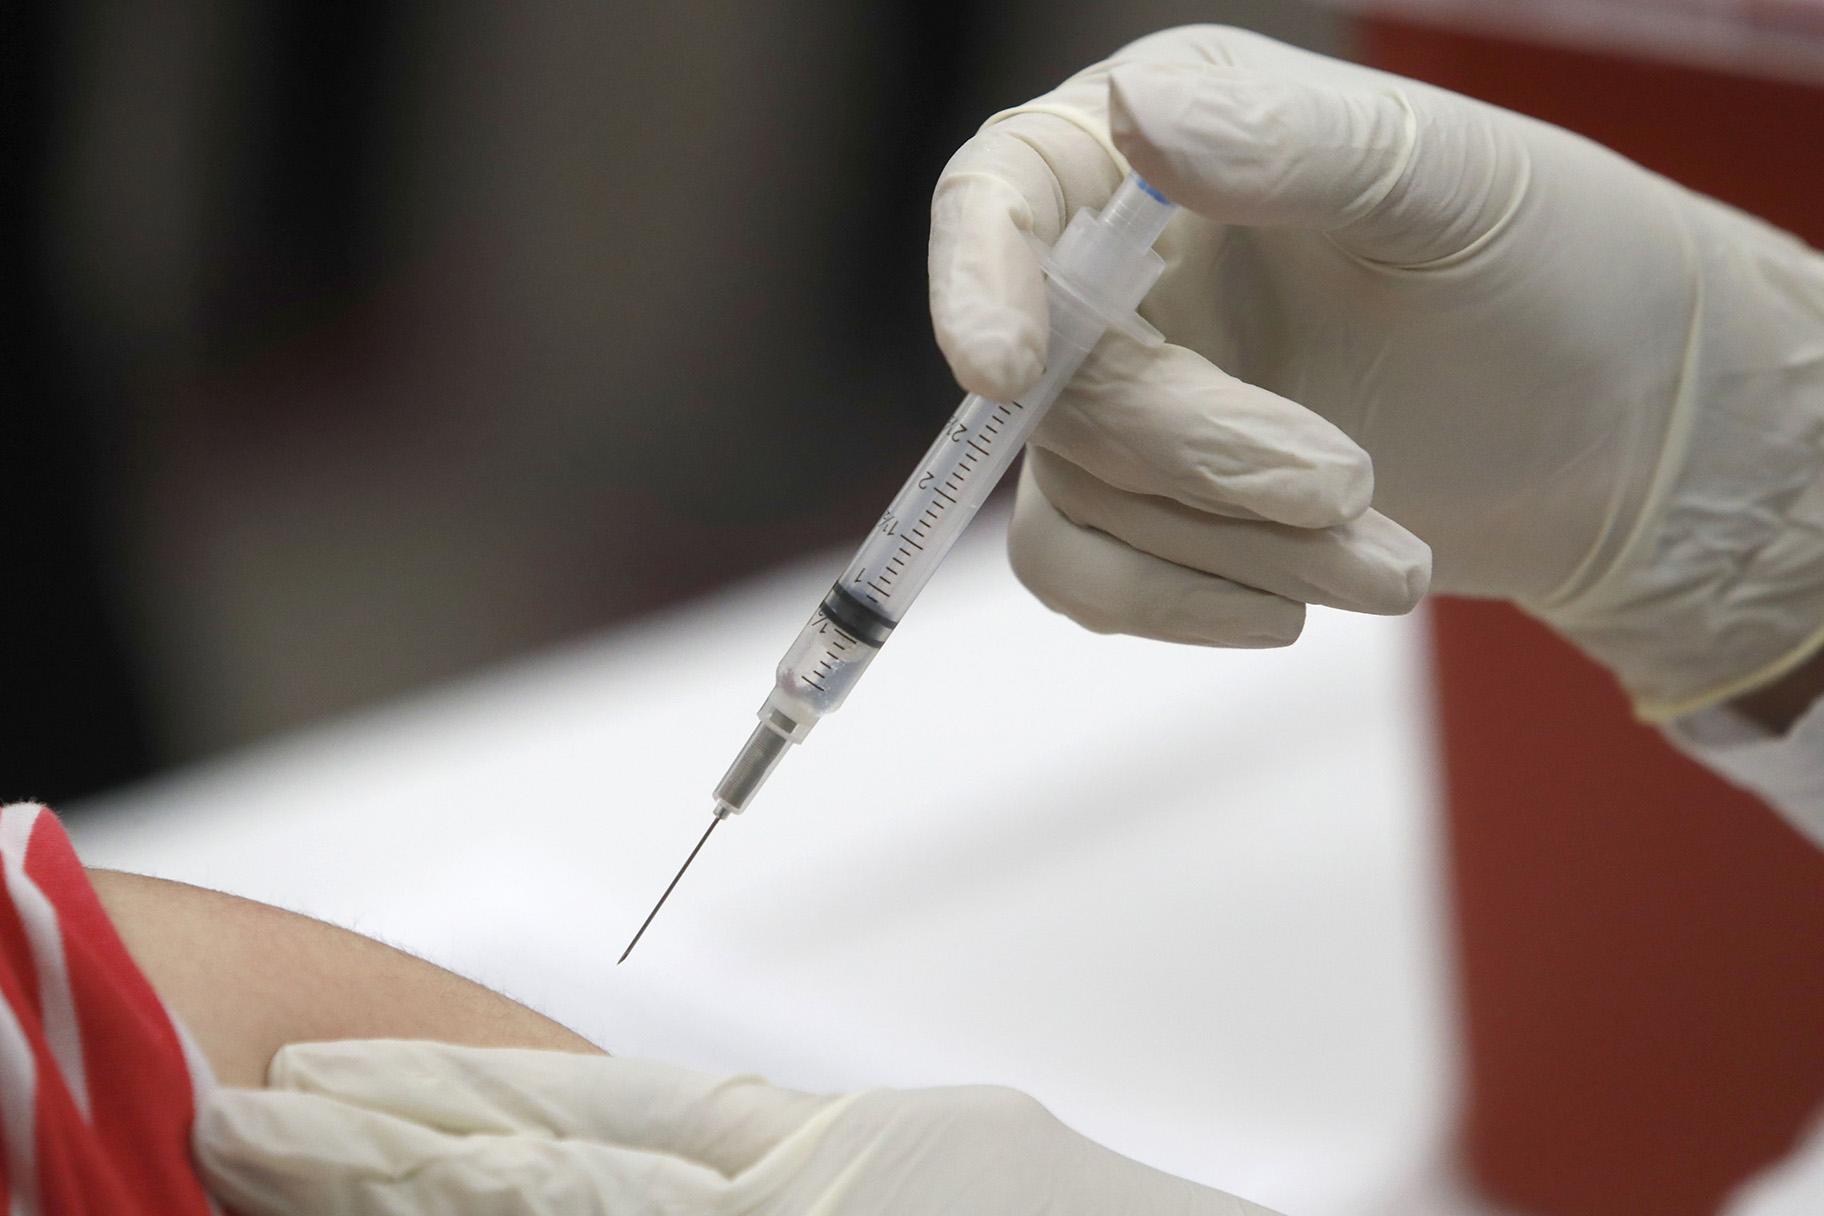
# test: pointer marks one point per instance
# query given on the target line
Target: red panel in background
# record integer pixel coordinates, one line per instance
(1640, 947)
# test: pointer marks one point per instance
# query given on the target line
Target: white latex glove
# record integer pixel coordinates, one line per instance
(387, 1127)
(1588, 389)
(1795, 1187)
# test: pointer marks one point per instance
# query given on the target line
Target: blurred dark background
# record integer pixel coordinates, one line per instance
(360, 345)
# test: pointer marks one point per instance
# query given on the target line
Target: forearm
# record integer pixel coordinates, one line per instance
(248, 978)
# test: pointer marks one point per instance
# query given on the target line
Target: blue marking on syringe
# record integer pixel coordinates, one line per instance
(1150, 191)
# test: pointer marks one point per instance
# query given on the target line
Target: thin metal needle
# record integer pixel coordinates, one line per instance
(667, 895)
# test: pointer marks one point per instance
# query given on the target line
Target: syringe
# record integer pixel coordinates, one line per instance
(1097, 273)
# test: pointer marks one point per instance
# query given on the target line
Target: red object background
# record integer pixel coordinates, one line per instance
(1640, 947)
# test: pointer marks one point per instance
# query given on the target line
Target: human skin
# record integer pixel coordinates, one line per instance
(246, 978)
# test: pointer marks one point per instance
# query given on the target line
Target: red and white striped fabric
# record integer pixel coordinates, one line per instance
(98, 1082)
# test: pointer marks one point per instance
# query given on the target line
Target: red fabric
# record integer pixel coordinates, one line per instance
(83, 1028)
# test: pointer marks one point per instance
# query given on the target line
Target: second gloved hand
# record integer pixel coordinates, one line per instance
(1587, 389)
(391, 1128)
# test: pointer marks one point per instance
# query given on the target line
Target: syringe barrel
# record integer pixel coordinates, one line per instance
(1097, 273)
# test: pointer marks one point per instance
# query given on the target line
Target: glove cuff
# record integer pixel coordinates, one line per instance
(1720, 587)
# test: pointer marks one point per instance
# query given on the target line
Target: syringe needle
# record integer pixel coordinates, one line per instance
(667, 895)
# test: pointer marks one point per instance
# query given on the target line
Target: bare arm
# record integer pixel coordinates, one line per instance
(248, 978)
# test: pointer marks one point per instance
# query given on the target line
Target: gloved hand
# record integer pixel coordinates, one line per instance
(388, 1127)
(1588, 389)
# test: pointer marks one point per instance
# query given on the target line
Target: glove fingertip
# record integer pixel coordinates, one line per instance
(1418, 575)
(1132, 91)
(1247, 147)
(994, 351)
(321, 1065)
(1401, 565)
(990, 324)
(1150, 122)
